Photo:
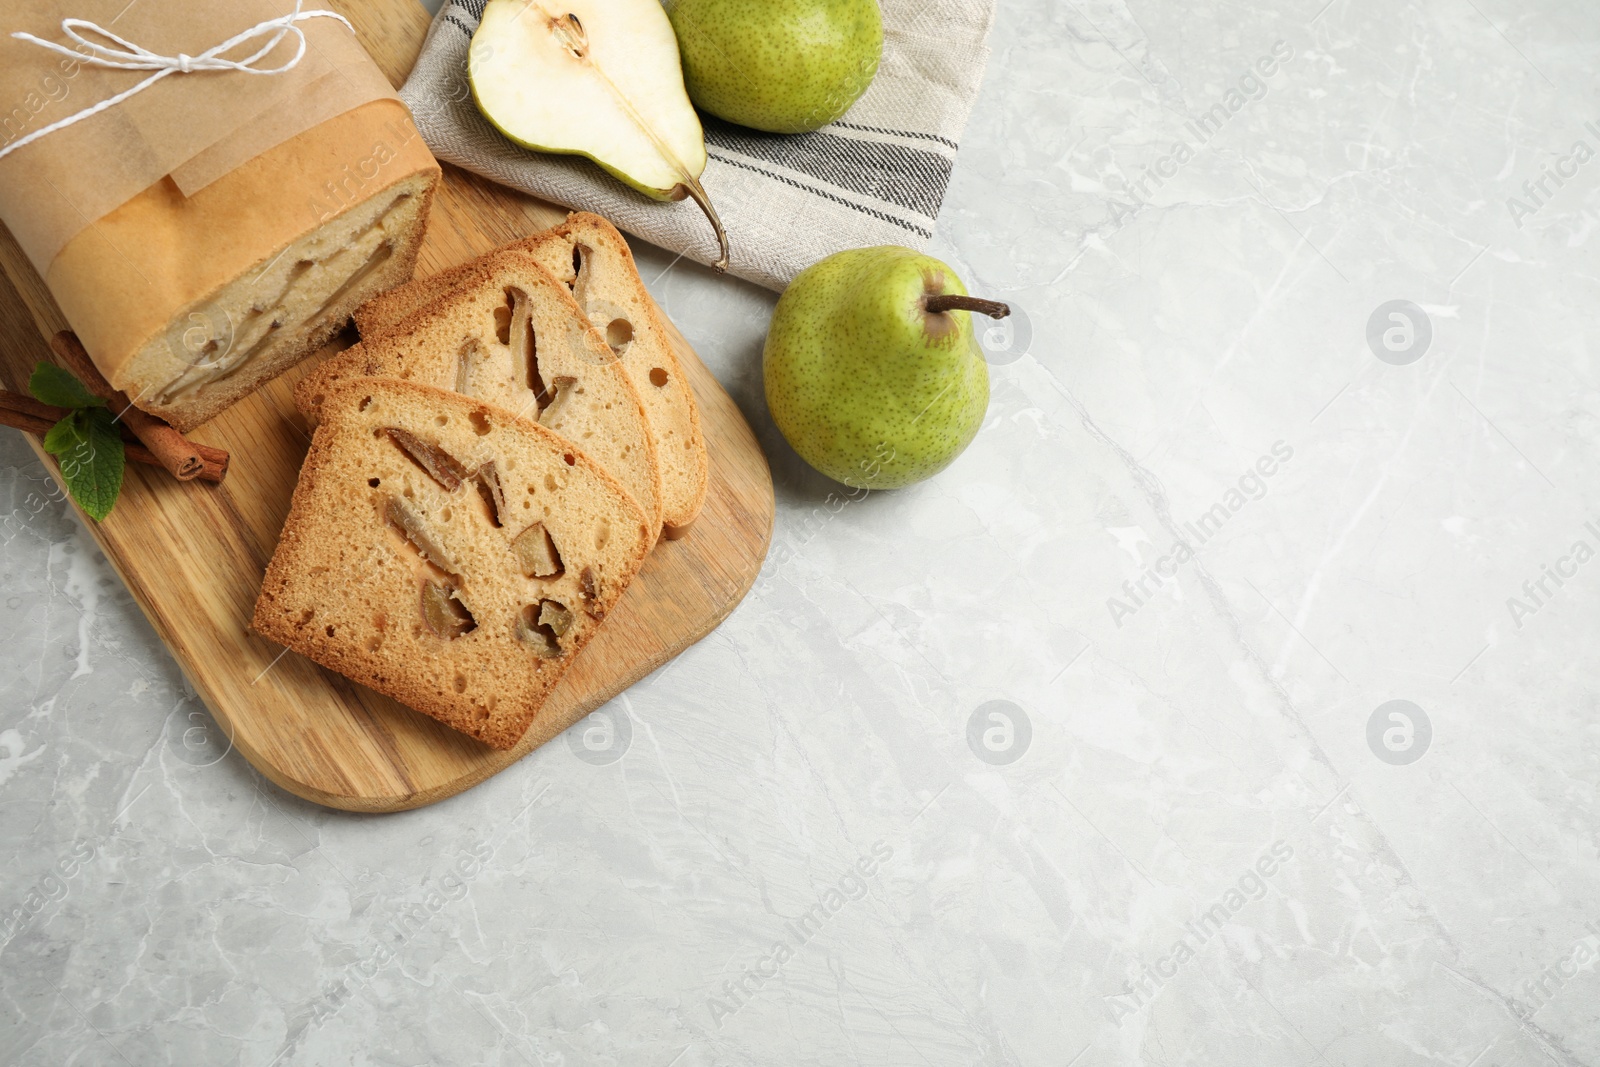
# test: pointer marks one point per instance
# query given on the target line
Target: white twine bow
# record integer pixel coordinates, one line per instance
(129, 56)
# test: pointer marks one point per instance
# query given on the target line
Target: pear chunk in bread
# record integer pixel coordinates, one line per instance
(448, 554)
(588, 254)
(511, 335)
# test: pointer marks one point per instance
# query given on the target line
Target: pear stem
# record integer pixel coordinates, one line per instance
(955, 302)
(698, 193)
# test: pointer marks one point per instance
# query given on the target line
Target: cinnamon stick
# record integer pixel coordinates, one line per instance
(27, 423)
(176, 452)
(35, 417)
(216, 459)
(27, 405)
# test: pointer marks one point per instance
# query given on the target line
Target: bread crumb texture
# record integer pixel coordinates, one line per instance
(448, 554)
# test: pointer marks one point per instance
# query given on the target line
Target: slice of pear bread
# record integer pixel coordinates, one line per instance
(588, 254)
(448, 554)
(510, 334)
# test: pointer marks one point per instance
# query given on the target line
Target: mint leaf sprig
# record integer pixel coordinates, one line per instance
(86, 443)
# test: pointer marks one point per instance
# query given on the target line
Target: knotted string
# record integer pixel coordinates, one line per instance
(129, 56)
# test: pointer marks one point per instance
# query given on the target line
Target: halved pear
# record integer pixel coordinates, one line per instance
(596, 78)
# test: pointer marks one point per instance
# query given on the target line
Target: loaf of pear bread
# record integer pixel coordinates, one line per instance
(448, 554)
(511, 335)
(588, 254)
(188, 303)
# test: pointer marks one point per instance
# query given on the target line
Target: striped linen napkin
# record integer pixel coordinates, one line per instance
(877, 176)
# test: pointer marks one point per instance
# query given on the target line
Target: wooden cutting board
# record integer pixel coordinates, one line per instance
(193, 554)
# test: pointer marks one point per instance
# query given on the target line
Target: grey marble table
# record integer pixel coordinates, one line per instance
(1231, 701)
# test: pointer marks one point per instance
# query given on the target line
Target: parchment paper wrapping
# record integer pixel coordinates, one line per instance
(193, 127)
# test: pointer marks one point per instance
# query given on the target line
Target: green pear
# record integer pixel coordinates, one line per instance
(787, 66)
(597, 78)
(872, 372)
